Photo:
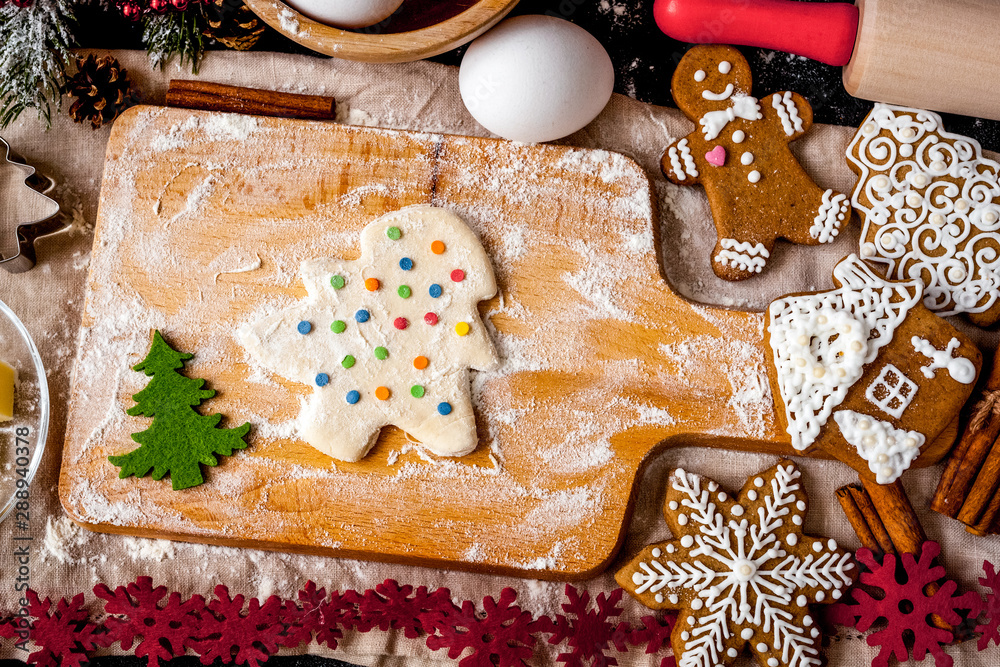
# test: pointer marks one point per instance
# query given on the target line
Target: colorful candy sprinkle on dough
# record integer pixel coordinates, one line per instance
(444, 409)
(435, 291)
(372, 284)
(458, 275)
(362, 316)
(420, 363)
(322, 380)
(338, 282)
(404, 291)
(394, 233)
(305, 327)
(462, 328)
(437, 247)
(401, 323)
(417, 391)
(431, 319)
(406, 264)
(353, 397)
(382, 393)
(381, 353)
(348, 361)
(338, 326)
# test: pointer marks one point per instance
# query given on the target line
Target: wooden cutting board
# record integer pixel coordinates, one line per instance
(203, 221)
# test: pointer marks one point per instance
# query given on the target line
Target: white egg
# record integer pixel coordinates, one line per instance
(346, 13)
(536, 78)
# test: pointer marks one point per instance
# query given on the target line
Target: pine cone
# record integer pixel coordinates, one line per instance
(102, 90)
(232, 23)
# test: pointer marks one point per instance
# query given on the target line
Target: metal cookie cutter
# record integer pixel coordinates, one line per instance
(37, 200)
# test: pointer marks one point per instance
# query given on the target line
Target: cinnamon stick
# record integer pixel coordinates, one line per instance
(972, 450)
(864, 519)
(982, 504)
(896, 512)
(220, 97)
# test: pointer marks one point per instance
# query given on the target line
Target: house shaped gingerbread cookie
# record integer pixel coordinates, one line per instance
(739, 153)
(865, 371)
(930, 203)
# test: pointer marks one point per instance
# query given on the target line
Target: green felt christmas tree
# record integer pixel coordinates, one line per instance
(179, 438)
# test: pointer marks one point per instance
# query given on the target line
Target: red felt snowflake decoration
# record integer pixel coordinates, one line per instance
(7, 629)
(655, 635)
(906, 606)
(391, 606)
(229, 635)
(166, 631)
(304, 617)
(315, 614)
(991, 623)
(64, 637)
(501, 637)
(590, 632)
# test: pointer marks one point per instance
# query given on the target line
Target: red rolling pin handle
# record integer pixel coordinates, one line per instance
(821, 31)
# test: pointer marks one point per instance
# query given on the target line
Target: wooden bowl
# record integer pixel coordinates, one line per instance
(419, 29)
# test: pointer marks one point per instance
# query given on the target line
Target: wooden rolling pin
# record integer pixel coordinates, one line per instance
(929, 54)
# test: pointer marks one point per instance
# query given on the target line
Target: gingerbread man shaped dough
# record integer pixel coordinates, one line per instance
(739, 153)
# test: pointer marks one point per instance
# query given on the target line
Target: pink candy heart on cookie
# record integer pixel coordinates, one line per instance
(716, 157)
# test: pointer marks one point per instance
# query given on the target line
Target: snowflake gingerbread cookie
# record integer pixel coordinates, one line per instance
(740, 571)
(739, 152)
(387, 338)
(891, 374)
(930, 203)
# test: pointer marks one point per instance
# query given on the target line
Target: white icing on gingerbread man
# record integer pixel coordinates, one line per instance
(739, 152)
(387, 338)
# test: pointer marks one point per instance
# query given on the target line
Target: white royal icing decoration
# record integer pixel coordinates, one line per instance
(753, 176)
(739, 136)
(746, 158)
(736, 572)
(819, 355)
(891, 391)
(725, 66)
(699, 76)
(889, 451)
(931, 207)
(742, 255)
(791, 122)
(959, 368)
(718, 97)
(742, 106)
(829, 218)
(682, 152)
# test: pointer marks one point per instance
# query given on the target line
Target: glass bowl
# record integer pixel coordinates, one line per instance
(22, 439)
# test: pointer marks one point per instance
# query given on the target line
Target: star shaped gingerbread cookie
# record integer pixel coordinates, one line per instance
(741, 572)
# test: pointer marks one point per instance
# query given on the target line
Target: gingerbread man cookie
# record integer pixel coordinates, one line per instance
(739, 153)
(387, 338)
(740, 570)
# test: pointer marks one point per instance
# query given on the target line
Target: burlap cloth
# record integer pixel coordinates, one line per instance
(419, 96)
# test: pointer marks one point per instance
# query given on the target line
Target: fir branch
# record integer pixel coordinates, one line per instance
(34, 52)
(175, 34)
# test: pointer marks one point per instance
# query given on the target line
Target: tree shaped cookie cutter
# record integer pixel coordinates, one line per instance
(25, 190)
